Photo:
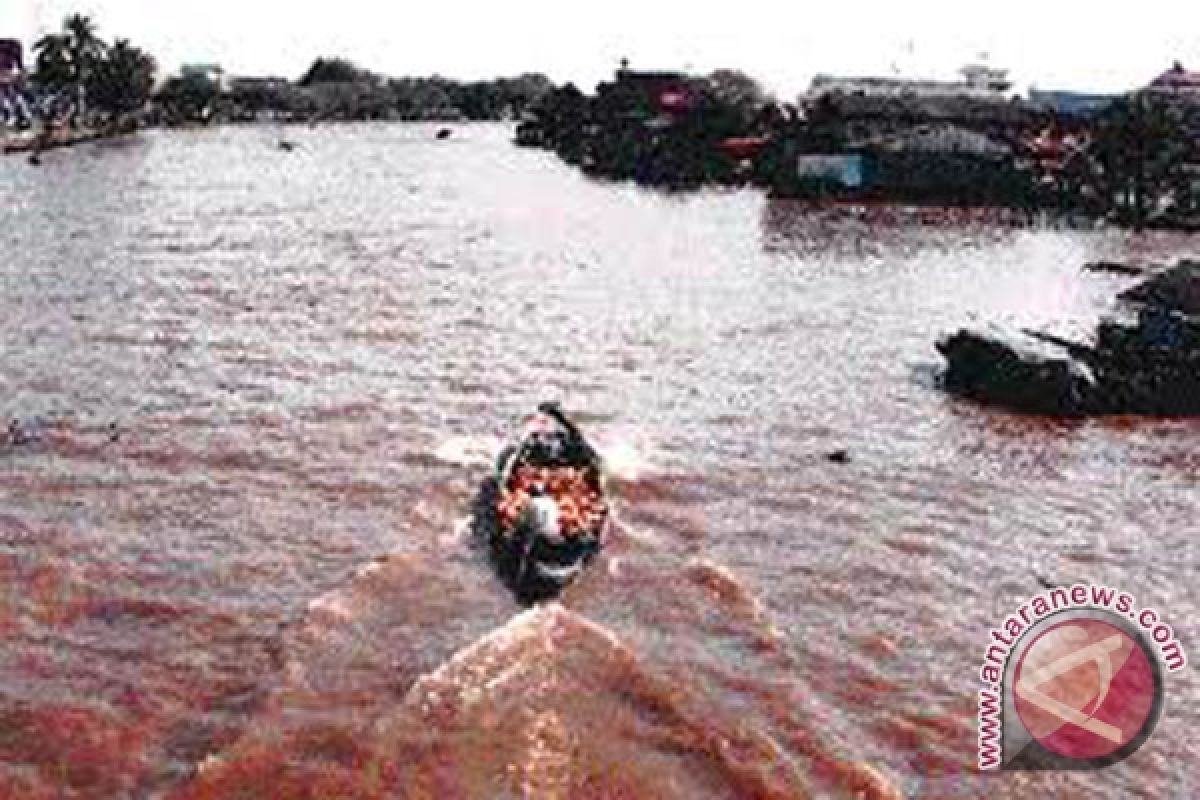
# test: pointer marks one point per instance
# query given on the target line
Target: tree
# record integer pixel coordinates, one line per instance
(121, 82)
(479, 100)
(737, 89)
(66, 60)
(53, 70)
(1138, 147)
(424, 98)
(518, 95)
(191, 97)
(87, 50)
(335, 70)
(86, 47)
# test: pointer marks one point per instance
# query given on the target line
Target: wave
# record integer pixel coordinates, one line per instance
(547, 705)
(469, 451)
(625, 457)
(422, 678)
(418, 680)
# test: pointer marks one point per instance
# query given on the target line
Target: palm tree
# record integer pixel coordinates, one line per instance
(66, 60)
(87, 49)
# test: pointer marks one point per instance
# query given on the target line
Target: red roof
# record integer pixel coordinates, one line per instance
(741, 147)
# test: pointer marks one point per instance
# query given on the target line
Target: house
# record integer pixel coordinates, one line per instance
(858, 108)
(983, 78)
(933, 163)
(257, 84)
(941, 140)
(644, 95)
(1070, 104)
(212, 74)
(11, 63)
(14, 108)
(979, 82)
(829, 171)
(1177, 81)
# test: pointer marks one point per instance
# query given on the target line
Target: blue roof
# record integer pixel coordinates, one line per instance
(1068, 102)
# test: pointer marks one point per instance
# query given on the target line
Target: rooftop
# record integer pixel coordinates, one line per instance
(10, 55)
(965, 108)
(978, 81)
(1070, 103)
(1177, 79)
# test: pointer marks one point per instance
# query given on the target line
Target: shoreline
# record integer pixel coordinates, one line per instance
(34, 143)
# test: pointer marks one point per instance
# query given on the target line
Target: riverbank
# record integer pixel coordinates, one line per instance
(678, 131)
(54, 139)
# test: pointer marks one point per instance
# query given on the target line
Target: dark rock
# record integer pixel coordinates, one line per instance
(1177, 288)
(286, 146)
(838, 456)
(1149, 367)
(1017, 372)
(444, 133)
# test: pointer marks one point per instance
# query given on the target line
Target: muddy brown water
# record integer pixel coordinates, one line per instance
(255, 391)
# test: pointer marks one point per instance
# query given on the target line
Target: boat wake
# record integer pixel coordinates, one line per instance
(469, 451)
(422, 678)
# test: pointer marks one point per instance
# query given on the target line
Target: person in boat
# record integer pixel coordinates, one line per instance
(548, 505)
(550, 440)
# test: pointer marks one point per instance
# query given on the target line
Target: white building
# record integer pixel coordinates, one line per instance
(979, 81)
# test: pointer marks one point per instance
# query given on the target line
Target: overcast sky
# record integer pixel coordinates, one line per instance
(1081, 45)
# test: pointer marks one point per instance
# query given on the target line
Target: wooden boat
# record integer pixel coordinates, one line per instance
(544, 510)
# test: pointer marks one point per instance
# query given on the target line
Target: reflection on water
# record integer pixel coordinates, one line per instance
(257, 390)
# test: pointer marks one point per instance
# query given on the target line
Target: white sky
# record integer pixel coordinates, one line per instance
(1078, 45)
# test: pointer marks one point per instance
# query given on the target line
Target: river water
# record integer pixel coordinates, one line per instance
(255, 391)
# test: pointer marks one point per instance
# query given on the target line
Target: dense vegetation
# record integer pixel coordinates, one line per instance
(77, 72)
(1142, 156)
(338, 89)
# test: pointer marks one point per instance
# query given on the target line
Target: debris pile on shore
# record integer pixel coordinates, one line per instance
(1150, 365)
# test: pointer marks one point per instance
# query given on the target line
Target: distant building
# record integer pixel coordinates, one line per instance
(979, 82)
(1177, 81)
(941, 141)
(985, 78)
(212, 73)
(1069, 103)
(642, 94)
(830, 170)
(14, 107)
(859, 115)
(257, 84)
(11, 61)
